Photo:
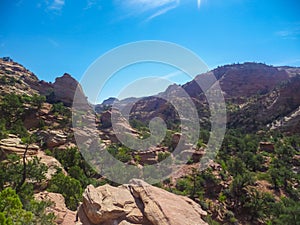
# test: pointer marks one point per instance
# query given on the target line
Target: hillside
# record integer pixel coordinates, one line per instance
(257, 96)
(253, 180)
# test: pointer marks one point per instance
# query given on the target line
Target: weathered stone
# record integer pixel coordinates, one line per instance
(105, 119)
(106, 204)
(65, 88)
(64, 216)
(53, 138)
(162, 207)
(138, 203)
(13, 145)
(52, 164)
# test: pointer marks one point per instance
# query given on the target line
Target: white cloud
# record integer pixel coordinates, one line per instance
(91, 4)
(161, 12)
(292, 32)
(150, 4)
(169, 78)
(56, 5)
(152, 8)
(173, 74)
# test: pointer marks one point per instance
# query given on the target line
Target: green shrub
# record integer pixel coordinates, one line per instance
(69, 187)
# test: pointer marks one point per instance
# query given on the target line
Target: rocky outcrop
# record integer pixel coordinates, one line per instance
(13, 144)
(65, 88)
(53, 138)
(137, 203)
(14, 78)
(107, 204)
(122, 125)
(64, 216)
(52, 164)
(105, 119)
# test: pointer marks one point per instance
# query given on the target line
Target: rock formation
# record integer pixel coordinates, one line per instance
(137, 203)
(14, 78)
(13, 144)
(65, 88)
(64, 216)
(52, 164)
(53, 138)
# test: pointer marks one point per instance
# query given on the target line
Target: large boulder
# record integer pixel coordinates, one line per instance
(137, 203)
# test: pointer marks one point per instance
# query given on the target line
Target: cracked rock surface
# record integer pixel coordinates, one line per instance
(137, 203)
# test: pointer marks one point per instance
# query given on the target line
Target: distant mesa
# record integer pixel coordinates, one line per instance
(110, 101)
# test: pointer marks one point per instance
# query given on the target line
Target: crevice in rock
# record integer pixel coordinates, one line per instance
(140, 205)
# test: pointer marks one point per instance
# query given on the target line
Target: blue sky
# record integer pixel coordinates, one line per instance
(51, 37)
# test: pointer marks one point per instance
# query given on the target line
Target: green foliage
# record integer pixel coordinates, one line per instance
(168, 140)
(11, 171)
(76, 166)
(138, 125)
(60, 109)
(236, 166)
(11, 209)
(210, 220)
(20, 207)
(121, 153)
(5, 80)
(38, 208)
(124, 154)
(36, 101)
(62, 113)
(13, 109)
(18, 128)
(240, 182)
(3, 131)
(69, 187)
(258, 203)
(197, 184)
(286, 211)
(280, 169)
(163, 155)
(222, 197)
(36, 170)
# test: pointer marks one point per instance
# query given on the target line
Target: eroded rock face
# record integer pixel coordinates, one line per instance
(137, 203)
(13, 144)
(55, 139)
(65, 88)
(14, 78)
